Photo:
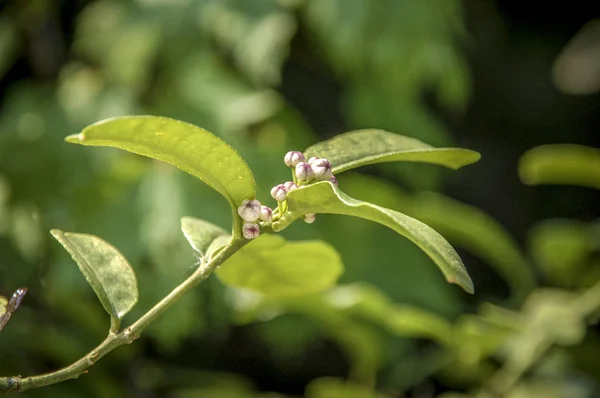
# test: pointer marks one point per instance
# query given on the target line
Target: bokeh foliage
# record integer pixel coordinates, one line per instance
(223, 65)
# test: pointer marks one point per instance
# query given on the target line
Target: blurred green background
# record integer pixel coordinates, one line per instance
(270, 76)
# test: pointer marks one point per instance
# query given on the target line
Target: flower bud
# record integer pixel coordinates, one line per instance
(310, 218)
(290, 186)
(249, 210)
(279, 193)
(266, 214)
(304, 171)
(322, 169)
(312, 159)
(334, 181)
(292, 158)
(250, 230)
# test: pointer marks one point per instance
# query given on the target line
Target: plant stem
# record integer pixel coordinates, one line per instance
(126, 336)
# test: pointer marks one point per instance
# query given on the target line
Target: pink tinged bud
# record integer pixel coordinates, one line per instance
(312, 160)
(304, 171)
(249, 210)
(250, 230)
(266, 214)
(290, 186)
(279, 192)
(310, 218)
(334, 181)
(322, 169)
(292, 158)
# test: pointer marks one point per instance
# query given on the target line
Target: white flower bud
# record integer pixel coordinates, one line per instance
(322, 169)
(292, 158)
(250, 230)
(310, 218)
(311, 160)
(290, 186)
(279, 192)
(266, 214)
(334, 181)
(304, 172)
(249, 210)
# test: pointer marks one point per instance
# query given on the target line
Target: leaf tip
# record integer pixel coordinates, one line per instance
(470, 157)
(56, 233)
(465, 283)
(75, 138)
(476, 155)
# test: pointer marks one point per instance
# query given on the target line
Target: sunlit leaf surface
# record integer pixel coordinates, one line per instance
(188, 147)
(274, 266)
(105, 268)
(363, 147)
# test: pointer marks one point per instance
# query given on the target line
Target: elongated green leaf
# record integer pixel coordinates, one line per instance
(273, 266)
(362, 147)
(463, 225)
(561, 164)
(204, 237)
(188, 147)
(105, 268)
(324, 197)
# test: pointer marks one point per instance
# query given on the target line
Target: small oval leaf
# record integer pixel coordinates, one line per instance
(188, 147)
(324, 197)
(363, 147)
(562, 164)
(275, 267)
(105, 268)
(204, 237)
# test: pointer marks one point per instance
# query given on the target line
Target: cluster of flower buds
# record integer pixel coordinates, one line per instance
(251, 211)
(315, 168)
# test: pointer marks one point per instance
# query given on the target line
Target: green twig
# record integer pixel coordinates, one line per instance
(117, 338)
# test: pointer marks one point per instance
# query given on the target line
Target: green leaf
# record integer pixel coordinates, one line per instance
(205, 238)
(273, 266)
(561, 164)
(463, 225)
(362, 147)
(105, 268)
(188, 147)
(324, 197)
